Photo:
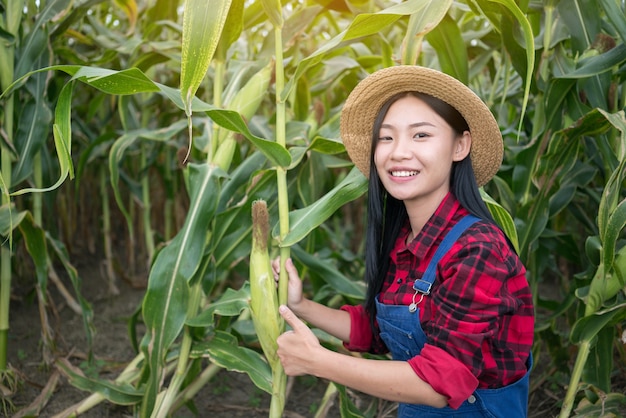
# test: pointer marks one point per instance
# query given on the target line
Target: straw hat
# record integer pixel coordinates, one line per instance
(365, 101)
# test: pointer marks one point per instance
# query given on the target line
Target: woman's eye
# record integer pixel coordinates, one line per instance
(420, 135)
(384, 138)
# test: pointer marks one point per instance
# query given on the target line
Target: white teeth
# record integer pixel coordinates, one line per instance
(403, 173)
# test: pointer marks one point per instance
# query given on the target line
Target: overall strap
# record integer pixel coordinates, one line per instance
(424, 284)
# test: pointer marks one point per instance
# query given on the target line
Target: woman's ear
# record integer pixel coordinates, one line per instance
(463, 146)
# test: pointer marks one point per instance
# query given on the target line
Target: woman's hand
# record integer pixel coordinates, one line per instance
(297, 346)
(333, 321)
(294, 287)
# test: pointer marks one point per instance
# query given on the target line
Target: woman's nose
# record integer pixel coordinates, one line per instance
(401, 149)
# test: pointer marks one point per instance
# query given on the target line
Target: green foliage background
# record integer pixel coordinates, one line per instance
(167, 125)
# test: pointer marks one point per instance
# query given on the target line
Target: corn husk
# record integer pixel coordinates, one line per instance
(263, 297)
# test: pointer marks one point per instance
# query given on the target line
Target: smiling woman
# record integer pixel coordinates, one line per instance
(447, 294)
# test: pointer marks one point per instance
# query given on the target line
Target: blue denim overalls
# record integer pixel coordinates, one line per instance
(405, 341)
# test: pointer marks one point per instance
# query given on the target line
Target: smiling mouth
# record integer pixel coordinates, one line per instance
(404, 173)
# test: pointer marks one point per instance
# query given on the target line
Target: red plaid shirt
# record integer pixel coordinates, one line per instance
(479, 317)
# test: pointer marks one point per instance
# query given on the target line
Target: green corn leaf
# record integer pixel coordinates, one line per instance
(231, 303)
(232, 28)
(35, 240)
(599, 367)
(421, 24)
(10, 219)
(229, 119)
(303, 221)
(614, 227)
(620, 267)
(62, 130)
(618, 121)
(612, 191)
(556, 95)
(165, 303)
(536, 222)
(203, 22)
(32, 132)
(598, 64)
(129, 81)
(447, 41)
(587, 327)
(326, 145)
(224, 350)
(502, 217)
(117, 393)
(330, 275)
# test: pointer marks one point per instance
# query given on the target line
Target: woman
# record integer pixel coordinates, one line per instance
(447, 294)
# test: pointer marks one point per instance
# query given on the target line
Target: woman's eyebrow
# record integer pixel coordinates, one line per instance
(412, 125)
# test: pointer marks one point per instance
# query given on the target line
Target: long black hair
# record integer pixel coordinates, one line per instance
(387, 215)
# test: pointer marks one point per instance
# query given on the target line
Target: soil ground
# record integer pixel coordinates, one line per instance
(229, 394)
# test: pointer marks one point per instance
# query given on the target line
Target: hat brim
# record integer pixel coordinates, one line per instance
(366, 99)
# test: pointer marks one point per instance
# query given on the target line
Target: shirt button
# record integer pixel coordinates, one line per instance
(399, 281)
(471, 399)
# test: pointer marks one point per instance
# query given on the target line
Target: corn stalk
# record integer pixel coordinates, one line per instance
(7, 62)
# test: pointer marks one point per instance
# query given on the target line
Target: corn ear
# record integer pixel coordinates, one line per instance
(263, 297)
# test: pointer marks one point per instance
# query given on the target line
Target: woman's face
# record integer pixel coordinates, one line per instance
(415, 151)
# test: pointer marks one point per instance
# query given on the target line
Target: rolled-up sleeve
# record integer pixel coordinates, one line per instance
(445, 374)
(360, 329)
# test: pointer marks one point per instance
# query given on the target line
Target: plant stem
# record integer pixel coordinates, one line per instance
(168, 211)
(145, 198)
(5, 256)
(6, 77)
(570, 396)
(106, 230)
(279, 385)
(329, 396)
(281, 172)
(279, 379)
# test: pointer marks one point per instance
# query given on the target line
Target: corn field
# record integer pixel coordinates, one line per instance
(151, 130)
